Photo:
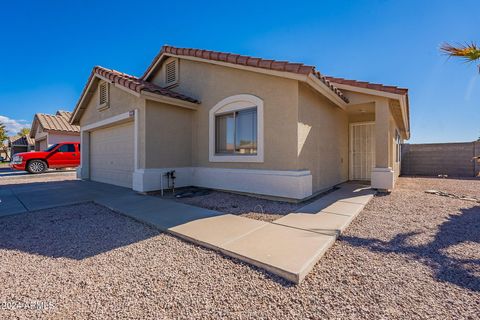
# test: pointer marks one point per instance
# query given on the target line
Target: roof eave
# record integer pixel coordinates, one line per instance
(284, 74)
(402, 98)
(317, 84)
(75, 118)
(169, 100)
(307, 78)
(85, 93)
(33, 128)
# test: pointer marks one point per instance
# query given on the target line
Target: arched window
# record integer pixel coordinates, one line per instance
(236, 130)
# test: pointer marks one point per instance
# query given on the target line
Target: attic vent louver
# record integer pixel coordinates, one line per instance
(103, 95)
(171, 72)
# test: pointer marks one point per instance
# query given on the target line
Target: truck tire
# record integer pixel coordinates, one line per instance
(36, 166)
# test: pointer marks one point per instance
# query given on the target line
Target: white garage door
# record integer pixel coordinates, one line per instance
(111, 155)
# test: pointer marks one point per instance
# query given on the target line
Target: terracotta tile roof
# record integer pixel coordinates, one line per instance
(63, 113)
(368, 85)
(21, 141)
(138, 85)
(285, 66)
(57, 122)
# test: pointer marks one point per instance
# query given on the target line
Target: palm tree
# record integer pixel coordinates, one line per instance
(24, 132)
(3, 133)
(3, 137)
(469, 52)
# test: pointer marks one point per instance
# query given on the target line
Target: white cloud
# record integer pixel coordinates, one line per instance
(13, 126)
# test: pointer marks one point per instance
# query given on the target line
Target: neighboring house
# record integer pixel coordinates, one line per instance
(17, 144)
(238, 123)
(51, 129)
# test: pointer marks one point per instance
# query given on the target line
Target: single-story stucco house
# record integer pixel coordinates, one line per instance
(51, 129)
(17, 144)
(233, 122)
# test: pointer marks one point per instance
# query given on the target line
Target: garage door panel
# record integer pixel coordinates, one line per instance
(112, 155)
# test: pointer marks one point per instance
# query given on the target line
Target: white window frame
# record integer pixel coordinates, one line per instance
(232, 104)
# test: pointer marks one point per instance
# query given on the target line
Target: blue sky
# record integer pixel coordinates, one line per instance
(49, 48)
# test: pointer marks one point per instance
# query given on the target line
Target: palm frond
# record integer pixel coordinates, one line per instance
(469, 51)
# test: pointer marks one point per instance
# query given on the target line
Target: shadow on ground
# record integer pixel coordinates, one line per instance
(74, 232)
(457, 230)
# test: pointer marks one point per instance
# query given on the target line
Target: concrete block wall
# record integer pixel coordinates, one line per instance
(432, 159)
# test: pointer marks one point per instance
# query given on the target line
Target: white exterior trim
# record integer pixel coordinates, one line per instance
(236, 103)
(277, 183)
(145, 180)
(135, 140)
(109, 121)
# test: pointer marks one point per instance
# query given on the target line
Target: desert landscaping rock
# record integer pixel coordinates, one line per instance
(408, 255)
(246, 206)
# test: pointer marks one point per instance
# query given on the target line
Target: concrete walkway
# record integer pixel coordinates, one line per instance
(288, 247)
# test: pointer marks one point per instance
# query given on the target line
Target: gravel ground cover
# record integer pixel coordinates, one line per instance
(242, 205)
(246, 206)
(408, 255)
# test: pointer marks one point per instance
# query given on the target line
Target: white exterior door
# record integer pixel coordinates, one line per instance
(362, 150)
(112, 155)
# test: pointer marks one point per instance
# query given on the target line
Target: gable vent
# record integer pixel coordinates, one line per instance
(171, 72)
(103, 95)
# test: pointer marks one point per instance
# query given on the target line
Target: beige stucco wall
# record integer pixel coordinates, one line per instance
(169, 138)
(120, 102)
(322, 139)
(211, 83)
(362, 117)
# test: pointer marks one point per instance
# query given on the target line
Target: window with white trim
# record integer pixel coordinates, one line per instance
(103, 95)
(171, 72)
(236, 130)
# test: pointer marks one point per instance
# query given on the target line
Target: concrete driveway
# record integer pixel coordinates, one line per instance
(22, 197)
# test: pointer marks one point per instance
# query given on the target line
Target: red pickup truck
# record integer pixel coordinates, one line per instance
(60, 155)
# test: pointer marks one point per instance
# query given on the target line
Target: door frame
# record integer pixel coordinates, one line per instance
(350, 145)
